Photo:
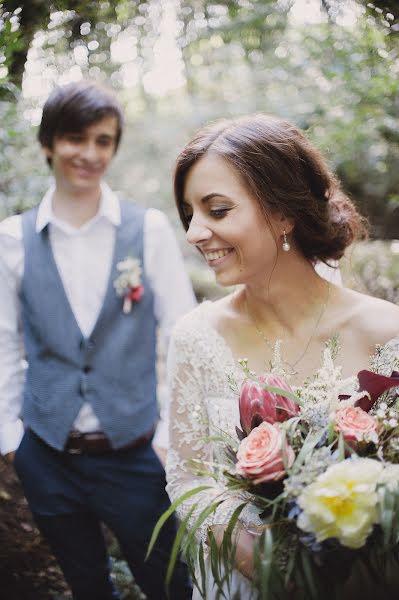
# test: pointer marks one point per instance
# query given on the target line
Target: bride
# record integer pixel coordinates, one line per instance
(260, 204)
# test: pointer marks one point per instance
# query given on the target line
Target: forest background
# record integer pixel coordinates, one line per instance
(331, 66)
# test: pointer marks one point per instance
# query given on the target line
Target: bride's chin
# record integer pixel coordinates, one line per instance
(225, 280)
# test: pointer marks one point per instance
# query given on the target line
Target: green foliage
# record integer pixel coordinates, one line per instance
(24, 172)
(337, 80)
(10, 43)
(373, 268)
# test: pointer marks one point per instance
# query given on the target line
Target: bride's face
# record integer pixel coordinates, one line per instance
(227, 224)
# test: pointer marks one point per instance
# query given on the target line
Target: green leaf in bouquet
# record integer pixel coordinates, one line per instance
(263, 563)
(201, 561)
(396, 521)
(284, 450)
(165, 516)
(222, 437)
(341, 447)
(282, 392)
(310, 442)
(330, 432)
(223, 558)
(174, 553)
(190, 541)
(290, 567)
(198, 468)
(228, 547)
(194, 557)
(308, 572)
(389, 514)
(237, 482)
(215, 563)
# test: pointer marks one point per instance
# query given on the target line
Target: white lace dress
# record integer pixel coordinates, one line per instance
(202, 405)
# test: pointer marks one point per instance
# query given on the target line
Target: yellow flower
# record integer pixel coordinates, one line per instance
(342, 502)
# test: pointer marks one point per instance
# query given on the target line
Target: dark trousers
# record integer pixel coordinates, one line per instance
(70, 495)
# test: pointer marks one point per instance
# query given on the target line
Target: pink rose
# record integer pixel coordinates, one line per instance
(354, 423)
(260, 455)
(258, 405)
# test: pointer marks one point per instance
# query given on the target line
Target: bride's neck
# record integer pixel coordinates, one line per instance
(287, 299)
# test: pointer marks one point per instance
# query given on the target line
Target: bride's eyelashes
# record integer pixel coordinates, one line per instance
(216, 213)
(219, 213)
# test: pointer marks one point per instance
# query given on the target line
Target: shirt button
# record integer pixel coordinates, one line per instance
(86, 369)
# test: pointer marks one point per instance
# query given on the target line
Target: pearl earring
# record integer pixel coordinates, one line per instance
(286, 246)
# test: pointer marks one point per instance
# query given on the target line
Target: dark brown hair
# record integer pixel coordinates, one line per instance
(285, 174)
(75, 106)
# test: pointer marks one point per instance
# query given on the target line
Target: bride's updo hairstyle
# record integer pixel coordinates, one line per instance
(285, 174)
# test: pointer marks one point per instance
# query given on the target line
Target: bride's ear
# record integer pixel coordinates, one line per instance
(285, 224)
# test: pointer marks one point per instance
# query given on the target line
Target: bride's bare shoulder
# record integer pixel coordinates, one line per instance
(373, 318)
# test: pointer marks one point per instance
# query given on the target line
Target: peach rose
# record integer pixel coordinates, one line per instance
(260, 455)
(354, 423)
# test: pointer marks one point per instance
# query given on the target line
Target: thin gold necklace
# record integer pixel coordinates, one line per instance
(273, 346)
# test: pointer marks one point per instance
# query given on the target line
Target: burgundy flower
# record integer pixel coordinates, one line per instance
(258, 404)
(374, 385)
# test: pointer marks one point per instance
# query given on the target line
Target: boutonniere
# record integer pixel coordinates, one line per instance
(128, 283)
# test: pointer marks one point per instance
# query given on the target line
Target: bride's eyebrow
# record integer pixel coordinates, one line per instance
(206, 199)
(212, 195)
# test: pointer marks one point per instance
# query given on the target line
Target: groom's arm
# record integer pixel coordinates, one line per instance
(12, 372)
(173, 297)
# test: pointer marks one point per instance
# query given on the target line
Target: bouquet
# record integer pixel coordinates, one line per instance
(321, 464)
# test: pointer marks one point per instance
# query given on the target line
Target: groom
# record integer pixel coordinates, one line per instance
(86, 281)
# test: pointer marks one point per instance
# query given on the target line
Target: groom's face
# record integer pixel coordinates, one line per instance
(80, 159)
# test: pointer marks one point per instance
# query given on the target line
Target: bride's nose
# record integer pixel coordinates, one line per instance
(198, 231)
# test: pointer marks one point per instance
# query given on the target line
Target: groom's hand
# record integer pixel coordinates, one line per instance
(161, 453)
(9, 458)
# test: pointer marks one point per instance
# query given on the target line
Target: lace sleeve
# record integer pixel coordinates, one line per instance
(191, 366)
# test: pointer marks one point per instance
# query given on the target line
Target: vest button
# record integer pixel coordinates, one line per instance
(86, 369)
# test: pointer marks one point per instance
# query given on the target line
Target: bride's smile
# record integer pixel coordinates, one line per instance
(227, 225)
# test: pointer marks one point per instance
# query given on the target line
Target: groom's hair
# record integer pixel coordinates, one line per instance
(73, 107)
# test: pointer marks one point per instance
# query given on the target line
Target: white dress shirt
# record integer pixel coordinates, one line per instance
(83, 256)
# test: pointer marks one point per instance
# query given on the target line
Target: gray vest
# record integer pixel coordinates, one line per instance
(113, 369)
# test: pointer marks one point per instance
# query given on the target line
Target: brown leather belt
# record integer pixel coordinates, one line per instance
(96, 442)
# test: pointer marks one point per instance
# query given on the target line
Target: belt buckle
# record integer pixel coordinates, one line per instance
(75, 451)
(74, 435)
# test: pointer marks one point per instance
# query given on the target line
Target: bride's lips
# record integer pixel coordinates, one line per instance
(216, 257)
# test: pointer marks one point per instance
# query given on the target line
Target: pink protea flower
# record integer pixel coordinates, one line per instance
(257, 404)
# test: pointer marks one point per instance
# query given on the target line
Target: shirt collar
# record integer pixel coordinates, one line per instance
(109, 209)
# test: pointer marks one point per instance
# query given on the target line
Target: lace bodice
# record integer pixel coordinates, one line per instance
(203, 404)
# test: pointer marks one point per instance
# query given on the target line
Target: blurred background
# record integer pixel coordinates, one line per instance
(331, 66)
